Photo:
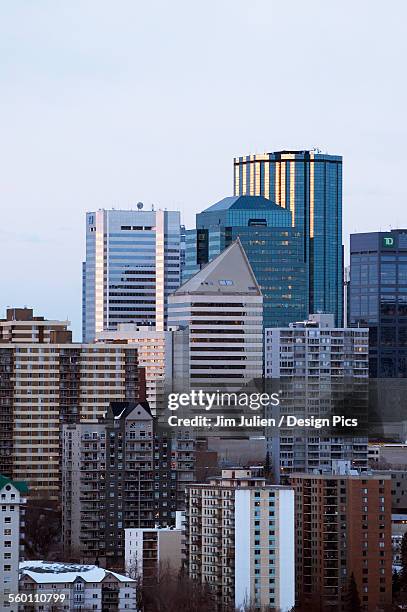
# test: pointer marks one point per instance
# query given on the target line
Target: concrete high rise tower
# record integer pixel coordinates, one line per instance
(222, 307)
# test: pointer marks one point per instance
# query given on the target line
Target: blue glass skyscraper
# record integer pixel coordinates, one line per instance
(309, 184)
(378, 298)
(275, 250)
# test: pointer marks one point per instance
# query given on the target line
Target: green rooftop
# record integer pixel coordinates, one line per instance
(18, 484)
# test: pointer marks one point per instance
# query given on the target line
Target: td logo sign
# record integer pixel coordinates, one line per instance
(388, 242)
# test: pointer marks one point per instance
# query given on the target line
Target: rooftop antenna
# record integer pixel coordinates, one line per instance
(152, 206)
(140, 205)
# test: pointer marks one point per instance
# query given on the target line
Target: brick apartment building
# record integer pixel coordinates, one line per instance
(343, 526)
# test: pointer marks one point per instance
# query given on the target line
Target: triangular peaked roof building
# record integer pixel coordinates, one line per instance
(221, 306)
(229, 273)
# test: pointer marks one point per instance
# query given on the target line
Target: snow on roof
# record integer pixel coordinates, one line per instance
(48, 572)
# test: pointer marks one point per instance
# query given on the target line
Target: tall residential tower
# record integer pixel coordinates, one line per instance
(239, 541)
(46, 380)
(323, 370)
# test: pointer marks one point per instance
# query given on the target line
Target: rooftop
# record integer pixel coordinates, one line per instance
(18, 484)
(44, 572)
(244, 202)
(229, 273)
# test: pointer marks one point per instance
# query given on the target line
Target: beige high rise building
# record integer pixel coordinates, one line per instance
(157, 352)
(240, 540)
(222, 308)
(47, 380)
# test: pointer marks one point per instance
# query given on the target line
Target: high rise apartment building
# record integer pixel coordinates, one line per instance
(107, 482)
(378, 298)
(309, 184)
(120, 473)
(343, 527)
(132, 265)
(273, 247)
(222, 308)
(12, 500)
(46, 380)
(318, 364)
(240, 540)
(157, 352)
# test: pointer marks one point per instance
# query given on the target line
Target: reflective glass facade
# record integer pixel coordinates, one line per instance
(132, 265)
(378, 298)
(274, 248)
(309, 184)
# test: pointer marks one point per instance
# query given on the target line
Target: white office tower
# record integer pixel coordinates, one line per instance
(132, 265)
(222, 307)
(323, 371)
(239, 541)
(12, 498)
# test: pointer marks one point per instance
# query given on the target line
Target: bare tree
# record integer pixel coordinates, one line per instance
(170, 591)
(42, 530)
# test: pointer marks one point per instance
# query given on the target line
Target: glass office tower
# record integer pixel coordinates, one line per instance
(378, 298)
(275, 250)
(309, 184)
(132, 265)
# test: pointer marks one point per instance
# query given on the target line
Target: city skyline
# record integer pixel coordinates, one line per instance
(203, 314)
(104, 82)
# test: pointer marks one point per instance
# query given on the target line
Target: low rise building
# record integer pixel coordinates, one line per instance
(398, 529)
(151, 551)
(388, 455)
(12, 500)
(67, 586)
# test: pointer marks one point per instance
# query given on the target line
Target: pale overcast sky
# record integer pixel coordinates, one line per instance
(107, 103)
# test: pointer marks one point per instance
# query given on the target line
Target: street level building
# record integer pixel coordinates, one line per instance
(82, 587)
(12, 512)
(151, 551)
